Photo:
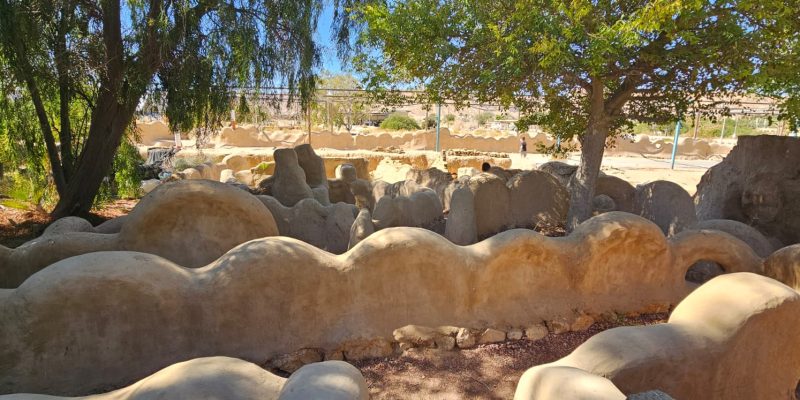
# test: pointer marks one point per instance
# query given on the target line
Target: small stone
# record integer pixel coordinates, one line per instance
(657, 308)
(334, 355)
(633, 314)
(293, 361)
(492, 336)
(422, 336)
(515, 334)
(536, 332)
(346, 172)
(445, 343)
(651, 395)
(363, 349)
(558, 326)
(226, 174)
(465, 338)
(582, 323)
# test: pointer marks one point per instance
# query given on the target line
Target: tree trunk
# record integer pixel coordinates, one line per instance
(109, 122)
(593, 145)
(582, 185)
(110, 119)
(23, 72)
(62, 70)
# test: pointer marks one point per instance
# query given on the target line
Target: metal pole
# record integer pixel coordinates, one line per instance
(675, 142)
(308, 123)
(696, 124)
(438, 124)
(328, 107)
(722, 134)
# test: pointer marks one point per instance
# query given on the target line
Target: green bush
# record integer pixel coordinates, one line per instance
(182, 163)
(483, 118)
(429, 122)
(127, 171)
(398, 122)
(125, 179)
(26, 189)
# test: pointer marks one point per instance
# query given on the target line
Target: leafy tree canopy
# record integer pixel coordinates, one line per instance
(779, 76)
(80, 69)
(579, 68)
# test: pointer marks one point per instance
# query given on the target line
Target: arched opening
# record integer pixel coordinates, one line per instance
(703, 271)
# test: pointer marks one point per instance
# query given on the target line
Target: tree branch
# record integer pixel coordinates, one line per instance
(15, 49)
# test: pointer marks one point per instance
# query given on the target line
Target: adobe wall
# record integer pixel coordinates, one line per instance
(157, 133)
(233, 379)
(155, 313)
(188, 222)
(732, 338)
(152, 132)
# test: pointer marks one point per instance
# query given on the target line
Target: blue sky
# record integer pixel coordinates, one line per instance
(330, 61)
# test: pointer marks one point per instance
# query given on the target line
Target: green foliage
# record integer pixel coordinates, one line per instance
(779, 76)
(449, 118)
(710, 129)
(243, 112)
(61, 61)
(556, 151)
(429, 122)
(127, 171)
(483, 118)
(26, 189)
(345, 105)
(399, 121)
(182, 163)
(20, 146)
(263, 167)
(649, 60)
(125, 179)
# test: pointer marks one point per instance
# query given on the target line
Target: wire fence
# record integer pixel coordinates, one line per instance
(354, 110)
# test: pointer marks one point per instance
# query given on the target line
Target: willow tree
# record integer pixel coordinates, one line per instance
(779, 76)
(580, 68)
(83, 66)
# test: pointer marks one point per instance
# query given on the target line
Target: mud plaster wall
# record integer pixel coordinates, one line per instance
(188, 221)
(275, 295)
(247, 135)
(732, 338)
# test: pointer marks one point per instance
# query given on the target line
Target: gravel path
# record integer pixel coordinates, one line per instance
(485, 372)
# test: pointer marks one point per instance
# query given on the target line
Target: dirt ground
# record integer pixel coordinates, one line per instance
(485, 372)
(636, 169)
(19, 226)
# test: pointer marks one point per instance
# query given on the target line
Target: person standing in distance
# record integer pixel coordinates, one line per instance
(523, 147)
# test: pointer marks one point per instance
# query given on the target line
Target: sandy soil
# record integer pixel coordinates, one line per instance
(485, 372)
(636, 170)
(18, 226)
